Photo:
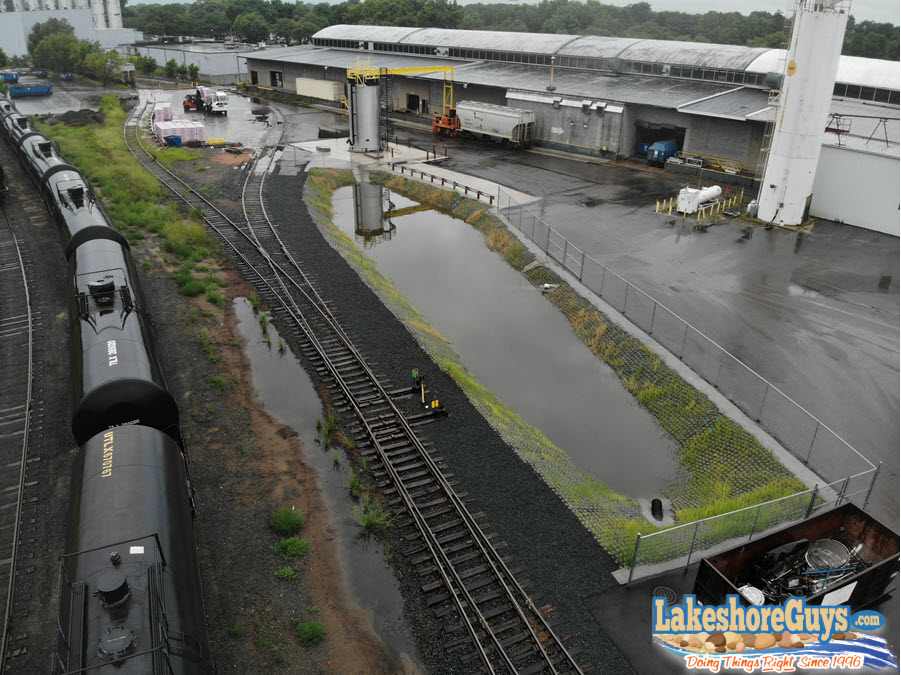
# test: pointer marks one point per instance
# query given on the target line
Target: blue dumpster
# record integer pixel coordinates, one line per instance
(173, 141)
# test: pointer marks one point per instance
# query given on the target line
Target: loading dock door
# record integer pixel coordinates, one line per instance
(413, 102)
(646, 132)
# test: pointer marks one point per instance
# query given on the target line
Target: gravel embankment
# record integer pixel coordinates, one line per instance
(563, 561)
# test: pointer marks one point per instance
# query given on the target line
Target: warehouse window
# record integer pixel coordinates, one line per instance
(867, 93)
(893, 97)
(881, 95)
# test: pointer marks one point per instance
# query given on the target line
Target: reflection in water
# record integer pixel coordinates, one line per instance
(798, 241)
(372, 207)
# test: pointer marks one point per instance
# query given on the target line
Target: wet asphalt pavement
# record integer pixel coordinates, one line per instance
(816, 314)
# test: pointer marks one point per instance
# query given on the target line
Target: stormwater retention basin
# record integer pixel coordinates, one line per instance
(285, 392)
(511, 338)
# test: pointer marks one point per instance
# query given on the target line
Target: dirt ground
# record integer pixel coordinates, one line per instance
(244, 464)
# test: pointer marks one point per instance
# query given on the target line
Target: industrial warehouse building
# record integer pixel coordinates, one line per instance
(610, 94)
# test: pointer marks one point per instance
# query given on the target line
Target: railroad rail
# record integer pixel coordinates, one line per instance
(500, 629)
(16, 340)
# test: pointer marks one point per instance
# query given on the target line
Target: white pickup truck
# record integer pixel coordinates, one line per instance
(213, 101)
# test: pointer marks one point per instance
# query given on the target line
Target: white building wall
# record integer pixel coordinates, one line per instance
(857, 188)
(221, 67)
(15, 27)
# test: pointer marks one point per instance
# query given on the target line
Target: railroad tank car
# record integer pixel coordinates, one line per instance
(116, 374)
(129, 593)
(40, 158)
(15, 126)
(79, 217)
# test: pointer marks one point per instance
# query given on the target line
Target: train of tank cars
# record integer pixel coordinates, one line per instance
(130, 598)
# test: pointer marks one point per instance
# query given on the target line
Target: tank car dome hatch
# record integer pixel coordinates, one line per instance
(103, 290)
(117, 642)
(113, 588)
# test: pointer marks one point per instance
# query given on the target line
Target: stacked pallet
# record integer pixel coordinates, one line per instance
(162, 112)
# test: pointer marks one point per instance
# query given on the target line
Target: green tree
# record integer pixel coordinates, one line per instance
(56, 52)
(171, 67)
(80, 53)
(146, 65)
(193, 71)
(251, 27)
(103, 65)
(2, 59)
(182, 71)
(46, 29)
(284, 28)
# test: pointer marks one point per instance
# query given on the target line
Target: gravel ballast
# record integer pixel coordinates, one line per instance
(563, 561)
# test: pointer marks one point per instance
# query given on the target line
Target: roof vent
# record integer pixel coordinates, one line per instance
(112, 588)
(102, 290)
(45, 149)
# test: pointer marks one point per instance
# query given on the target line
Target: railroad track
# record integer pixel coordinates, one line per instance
(497, 627)
(17, 325)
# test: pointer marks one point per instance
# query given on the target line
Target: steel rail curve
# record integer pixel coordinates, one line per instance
(450, 576)
(20, 490)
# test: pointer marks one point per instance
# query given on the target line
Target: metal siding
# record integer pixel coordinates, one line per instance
(858, 189)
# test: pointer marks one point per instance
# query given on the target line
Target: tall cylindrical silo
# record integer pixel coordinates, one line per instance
(98, 15)
(113, 14)
(65, 4)
(363, 101)
(818, 32)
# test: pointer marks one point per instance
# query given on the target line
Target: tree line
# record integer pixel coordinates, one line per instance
(265, 20)
(52, 45)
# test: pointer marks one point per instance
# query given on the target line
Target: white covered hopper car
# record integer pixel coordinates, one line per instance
(498, 122)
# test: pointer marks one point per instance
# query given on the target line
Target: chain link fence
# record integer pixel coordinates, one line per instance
(806, 437)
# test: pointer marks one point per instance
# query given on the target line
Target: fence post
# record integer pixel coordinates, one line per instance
(716, 383)
(813, 498)
(653, 316)
(626, 298)
(582, 266)
(763, 402)
(565, 246)
(812, 441)
(694, 538)
(841, 495)
(684, 340)
(754, 526)
(548, 245)
(870, 489)
(603, 276)
(634, 556)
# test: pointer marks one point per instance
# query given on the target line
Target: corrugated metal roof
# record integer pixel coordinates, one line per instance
(596, 46)
(373, 33)
(537, 43)
(737, 104)
(579, 84)
(730, 57)
(851, 69)
(864, 144)
(342, 58)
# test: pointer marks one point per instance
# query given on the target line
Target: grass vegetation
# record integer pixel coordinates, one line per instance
(353, 484)
(292, 547)
(286, 521)
(721, 467)
(218, 383)
(285, 574)
(309, 633)
(371, 516)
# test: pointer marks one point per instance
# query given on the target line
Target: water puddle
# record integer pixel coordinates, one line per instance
(513, 340)
(286, 392)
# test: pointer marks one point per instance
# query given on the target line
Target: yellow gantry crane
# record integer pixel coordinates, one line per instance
(364, 74)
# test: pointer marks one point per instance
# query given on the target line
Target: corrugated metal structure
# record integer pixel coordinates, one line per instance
(858, 187)
(609, 94)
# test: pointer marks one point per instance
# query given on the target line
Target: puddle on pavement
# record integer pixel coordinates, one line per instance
(286, 393)
(512, 339)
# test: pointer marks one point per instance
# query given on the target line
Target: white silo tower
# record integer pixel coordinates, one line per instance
(808, 80)
(98, 14)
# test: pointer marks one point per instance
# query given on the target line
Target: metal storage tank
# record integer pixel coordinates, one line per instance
(364, 118)
(811, 65)
(129, 582)
(116, 375)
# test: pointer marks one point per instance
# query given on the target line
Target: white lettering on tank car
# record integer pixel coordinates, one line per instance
(106, 462)
(111, 352)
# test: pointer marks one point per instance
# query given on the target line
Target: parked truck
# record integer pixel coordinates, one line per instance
(19, 90)
(661, 151)
(496, 122)
(212, 101)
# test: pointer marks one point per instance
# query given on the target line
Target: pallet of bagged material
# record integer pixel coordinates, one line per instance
(215, 142)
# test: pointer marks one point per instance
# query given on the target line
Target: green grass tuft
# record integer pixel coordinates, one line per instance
(309, 633)
(286, 521)
(292, 547)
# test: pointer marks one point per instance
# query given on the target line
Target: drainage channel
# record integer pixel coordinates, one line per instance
(512, 339)
(286, 392)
